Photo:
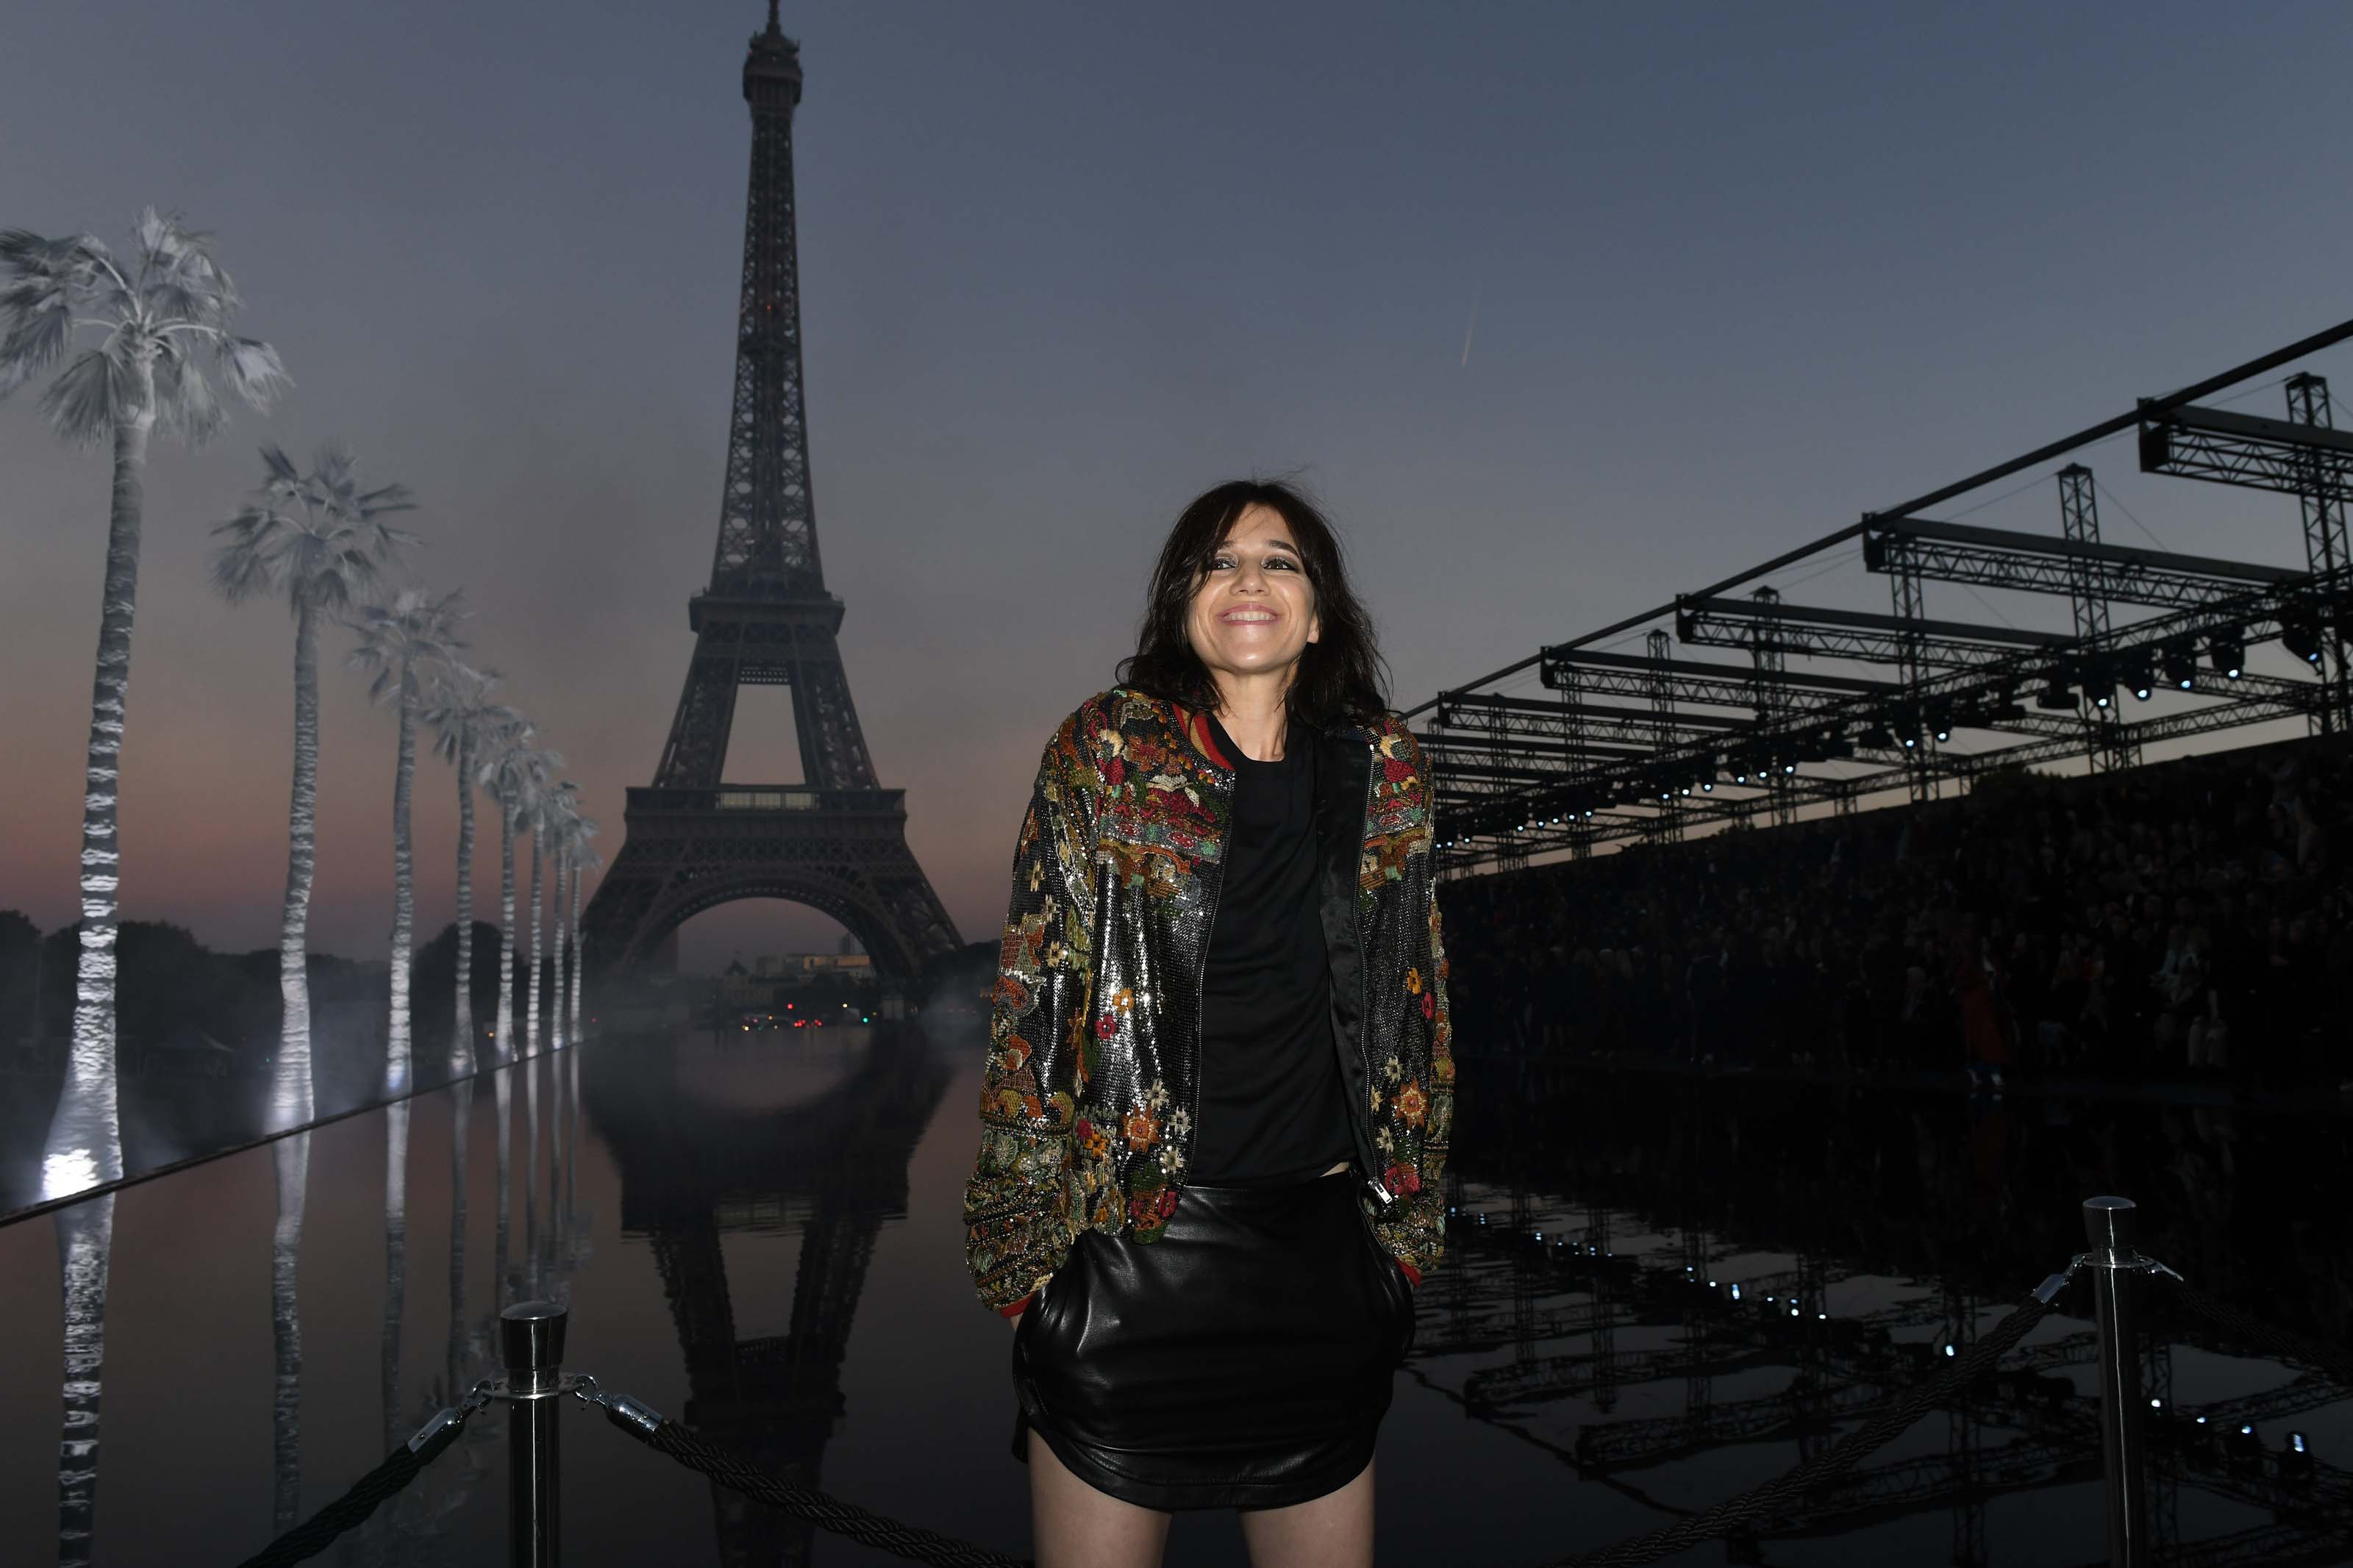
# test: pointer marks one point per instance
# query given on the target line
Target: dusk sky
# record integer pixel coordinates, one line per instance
(1740, 273)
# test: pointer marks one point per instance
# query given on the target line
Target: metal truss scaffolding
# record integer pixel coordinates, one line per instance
(1650, 745)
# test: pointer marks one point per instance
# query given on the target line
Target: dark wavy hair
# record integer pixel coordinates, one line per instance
(1341, 677)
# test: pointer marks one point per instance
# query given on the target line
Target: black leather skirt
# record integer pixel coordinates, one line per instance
(1242, 1359)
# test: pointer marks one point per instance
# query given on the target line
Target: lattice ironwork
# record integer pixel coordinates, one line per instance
(2088, 593)
(2322, 502)
(1820, 738)
(2083, 569)
(766, 619)
(2292, 456)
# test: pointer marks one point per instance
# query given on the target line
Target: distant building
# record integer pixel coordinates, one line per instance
(800, 968)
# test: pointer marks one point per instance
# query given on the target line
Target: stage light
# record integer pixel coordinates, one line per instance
(2229, 654)
(2180, 662)
(2300, 635)
(1707, 787)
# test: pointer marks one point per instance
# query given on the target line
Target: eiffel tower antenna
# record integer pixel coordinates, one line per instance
(837, 841)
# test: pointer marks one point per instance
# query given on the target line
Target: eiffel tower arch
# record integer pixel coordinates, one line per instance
(836, 842)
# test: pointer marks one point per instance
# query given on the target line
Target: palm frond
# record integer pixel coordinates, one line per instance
(87, 400)
(184, 398)
(396, 638)
(37, 283)
(253, 561)
(251, 368)
(389, 498)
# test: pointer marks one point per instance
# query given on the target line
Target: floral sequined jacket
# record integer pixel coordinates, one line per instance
(1092, 1081)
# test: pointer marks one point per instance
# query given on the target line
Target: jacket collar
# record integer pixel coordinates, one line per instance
(1195, 724)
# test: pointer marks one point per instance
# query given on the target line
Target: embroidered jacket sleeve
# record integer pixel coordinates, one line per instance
(1420, 1119)
(1016, 1229)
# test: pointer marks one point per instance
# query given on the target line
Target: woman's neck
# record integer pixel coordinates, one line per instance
(1253, 713)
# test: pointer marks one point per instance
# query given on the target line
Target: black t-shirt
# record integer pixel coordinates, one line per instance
(1272, 1108)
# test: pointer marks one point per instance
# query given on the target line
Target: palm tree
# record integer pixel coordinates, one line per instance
(463, 717)
(563, 810)
(583, 859)
(513, 772)
(322, 540)
(510, 771)
(400, 642)
(161, 312)
(539, 815)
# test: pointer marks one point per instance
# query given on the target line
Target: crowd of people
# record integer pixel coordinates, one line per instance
(2186, 918)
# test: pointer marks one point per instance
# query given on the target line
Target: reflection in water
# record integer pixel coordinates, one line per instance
(530, 1070)
(292, 1156)
(1605, 1392)
(396, 1259)
(501, 1106)
(1756, 1269)
(835, 1166)
(454, 1380)
(85, 1248)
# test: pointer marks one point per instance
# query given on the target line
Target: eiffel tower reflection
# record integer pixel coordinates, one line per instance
(835, 1167)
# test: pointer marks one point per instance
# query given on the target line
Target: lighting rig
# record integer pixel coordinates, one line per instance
(1633, 745)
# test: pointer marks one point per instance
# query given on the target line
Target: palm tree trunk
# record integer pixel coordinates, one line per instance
(461, 1027)
(555, 957)
(85, 1246)
(292, 1156)
(506, 1051)
(404, 894)
(396, 1258)
(85, 1141)
(576, 954)
(462, 1123)
(533, 1039)
(291, 1100)
(570, 1168)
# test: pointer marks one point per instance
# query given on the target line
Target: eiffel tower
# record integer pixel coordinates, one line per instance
(835, 842)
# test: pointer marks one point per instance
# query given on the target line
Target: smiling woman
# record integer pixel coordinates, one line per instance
(1220, 1089)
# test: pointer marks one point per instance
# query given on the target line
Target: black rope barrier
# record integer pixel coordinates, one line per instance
(399, 1467)
(2331, 1358)
(1759, 1501)
(663, 1435)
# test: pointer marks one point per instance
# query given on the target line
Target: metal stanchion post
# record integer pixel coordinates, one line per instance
(2115, 1284)
(530, 1339)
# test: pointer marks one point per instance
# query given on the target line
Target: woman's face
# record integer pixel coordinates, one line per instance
(1254, 611)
